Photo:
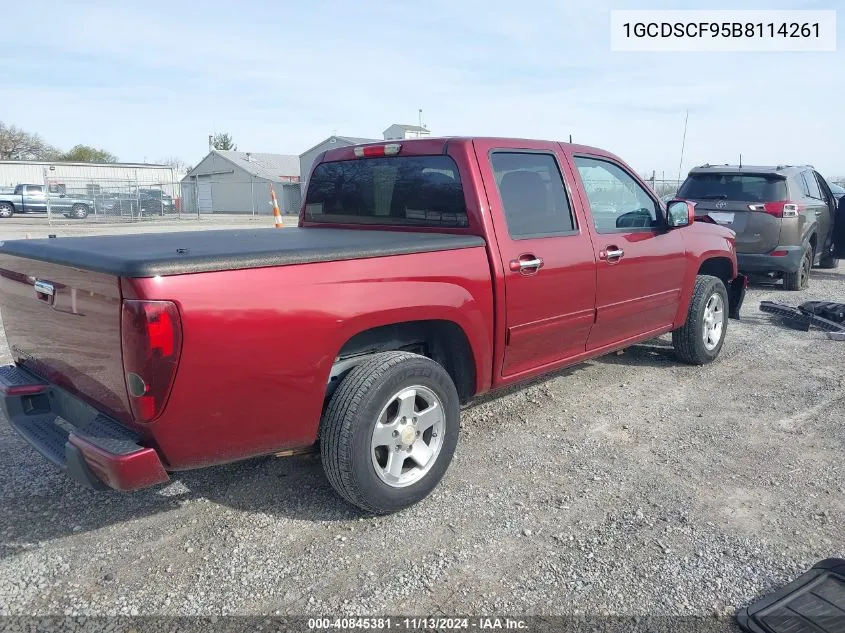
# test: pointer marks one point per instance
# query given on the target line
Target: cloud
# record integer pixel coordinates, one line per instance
(156, 79)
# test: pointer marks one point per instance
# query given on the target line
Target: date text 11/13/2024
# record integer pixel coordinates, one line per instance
(416, 623)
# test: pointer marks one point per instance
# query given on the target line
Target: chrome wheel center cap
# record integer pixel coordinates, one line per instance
(408, 435)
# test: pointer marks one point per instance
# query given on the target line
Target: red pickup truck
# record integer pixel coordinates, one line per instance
(423, 273)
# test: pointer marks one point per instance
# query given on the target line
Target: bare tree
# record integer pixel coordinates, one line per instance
(177, 163)
(16, 144)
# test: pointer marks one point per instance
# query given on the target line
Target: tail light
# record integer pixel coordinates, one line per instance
(368, 151)
(151, 336)
(779, 209)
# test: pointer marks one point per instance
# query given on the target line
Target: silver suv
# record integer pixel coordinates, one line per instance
(783, 216)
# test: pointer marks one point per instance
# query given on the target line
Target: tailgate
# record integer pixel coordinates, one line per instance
(70, 337)
(725, 195)
(756, 232)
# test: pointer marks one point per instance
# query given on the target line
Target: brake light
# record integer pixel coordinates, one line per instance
(368, 151)
(151, 337)
(779, 209)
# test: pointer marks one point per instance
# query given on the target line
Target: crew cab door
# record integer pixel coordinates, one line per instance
(33, 197)
(548, 261)
(59, 200)
(641, 264)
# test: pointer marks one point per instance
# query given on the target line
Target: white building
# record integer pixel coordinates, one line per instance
(90, 178)
(226, 181)
(400, 132)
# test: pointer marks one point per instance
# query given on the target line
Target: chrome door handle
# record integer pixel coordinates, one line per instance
(613, 253)
(530, 263)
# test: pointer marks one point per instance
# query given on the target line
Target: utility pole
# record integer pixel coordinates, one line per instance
(47, 194)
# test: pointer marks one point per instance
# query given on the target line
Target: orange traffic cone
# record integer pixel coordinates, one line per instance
(277, 215)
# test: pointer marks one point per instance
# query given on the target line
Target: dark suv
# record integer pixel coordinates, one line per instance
(782, 216)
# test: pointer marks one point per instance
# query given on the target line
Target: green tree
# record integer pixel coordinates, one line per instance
(86, 154)
(223, 141)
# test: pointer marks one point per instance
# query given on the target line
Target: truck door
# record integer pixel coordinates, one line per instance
(819, 204)
(34, 198)
(548, 261)
(641, 264)
(59, 202)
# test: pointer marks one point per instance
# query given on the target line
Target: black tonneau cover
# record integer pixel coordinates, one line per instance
(151, 254)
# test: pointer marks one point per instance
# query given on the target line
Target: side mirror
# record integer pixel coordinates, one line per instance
(680, 213)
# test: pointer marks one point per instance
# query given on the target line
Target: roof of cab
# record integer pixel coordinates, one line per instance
(443, 141)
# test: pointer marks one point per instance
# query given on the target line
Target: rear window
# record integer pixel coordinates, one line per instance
(396, 190)
(745, 187)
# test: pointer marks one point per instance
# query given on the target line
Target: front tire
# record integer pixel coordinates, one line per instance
(700, 339)
(6, 210)
(390, 431)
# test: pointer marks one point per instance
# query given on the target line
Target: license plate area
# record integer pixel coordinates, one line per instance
(721, 217)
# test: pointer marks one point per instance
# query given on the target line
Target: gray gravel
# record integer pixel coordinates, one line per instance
(626, 485)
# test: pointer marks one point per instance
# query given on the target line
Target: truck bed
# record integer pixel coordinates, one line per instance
(151, 254)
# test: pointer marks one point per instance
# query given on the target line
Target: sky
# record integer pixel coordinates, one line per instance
(150, 80)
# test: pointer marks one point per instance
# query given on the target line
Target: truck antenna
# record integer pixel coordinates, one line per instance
(570, 138)
(683, 144)
(740, 161)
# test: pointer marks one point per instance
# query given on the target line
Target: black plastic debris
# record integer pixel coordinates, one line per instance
(813, 603)
(826, 316)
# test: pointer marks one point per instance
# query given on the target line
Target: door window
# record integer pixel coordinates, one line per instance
(34, 190)
(533, 196)
(812, 186)
(617, 201)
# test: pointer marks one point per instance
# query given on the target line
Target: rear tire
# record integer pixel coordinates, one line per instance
(700, 339)
(387, 402)
(800, 279)
(7, 210)
(79, 211)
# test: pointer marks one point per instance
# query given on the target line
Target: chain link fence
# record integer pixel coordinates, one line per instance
(665, 188)
(117, 200)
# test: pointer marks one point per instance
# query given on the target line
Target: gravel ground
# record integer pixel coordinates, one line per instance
(625, 485)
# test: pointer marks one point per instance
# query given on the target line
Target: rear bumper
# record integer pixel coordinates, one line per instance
(92, 448)
(768, 263)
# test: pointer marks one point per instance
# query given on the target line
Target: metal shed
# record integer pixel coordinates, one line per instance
(239, 182)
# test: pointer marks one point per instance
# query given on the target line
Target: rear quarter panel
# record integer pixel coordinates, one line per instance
(259, 344)
(703, 241)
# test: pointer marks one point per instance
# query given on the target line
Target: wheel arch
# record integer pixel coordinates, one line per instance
(442, 340)
(716, 263)
(717, 266)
